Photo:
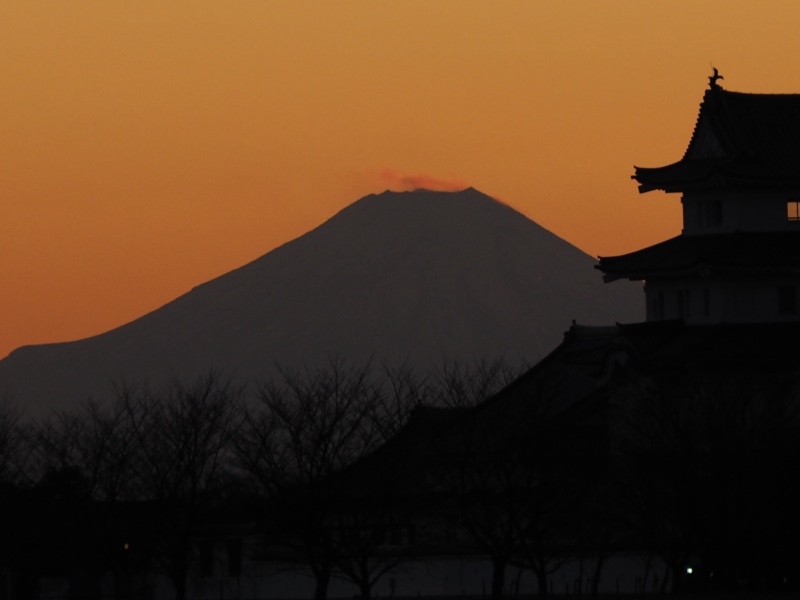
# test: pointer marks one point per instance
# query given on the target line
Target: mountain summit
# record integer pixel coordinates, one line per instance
(397, 277)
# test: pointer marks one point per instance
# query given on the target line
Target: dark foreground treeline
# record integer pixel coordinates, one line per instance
(342, 471)
(709, 472)
(127, 484)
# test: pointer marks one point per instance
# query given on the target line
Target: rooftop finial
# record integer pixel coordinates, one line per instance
(712, 80)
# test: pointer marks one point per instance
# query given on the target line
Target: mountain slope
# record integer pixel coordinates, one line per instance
(414, 276)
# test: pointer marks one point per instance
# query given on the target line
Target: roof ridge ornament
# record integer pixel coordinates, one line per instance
(712, 80)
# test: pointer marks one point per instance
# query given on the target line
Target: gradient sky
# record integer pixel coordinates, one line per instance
(147, 147)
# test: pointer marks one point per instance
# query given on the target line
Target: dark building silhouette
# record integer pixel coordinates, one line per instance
(658, 456)
(737, 259)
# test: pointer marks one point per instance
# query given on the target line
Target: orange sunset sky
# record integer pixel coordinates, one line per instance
(147, 147)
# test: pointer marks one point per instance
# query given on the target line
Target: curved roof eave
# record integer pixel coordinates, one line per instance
(739, 140)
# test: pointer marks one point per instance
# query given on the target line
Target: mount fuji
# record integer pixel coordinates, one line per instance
(398, 277)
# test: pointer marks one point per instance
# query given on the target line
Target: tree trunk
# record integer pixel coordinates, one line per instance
(180, 586)
(498, 578)
(179, 568)
(321, 584)
(667, 578)
(366, 590)
(598, 570)
(541, 578)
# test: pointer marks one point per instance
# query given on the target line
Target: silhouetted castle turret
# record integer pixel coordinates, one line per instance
(737, 259)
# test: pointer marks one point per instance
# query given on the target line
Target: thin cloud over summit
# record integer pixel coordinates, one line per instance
(403, 182)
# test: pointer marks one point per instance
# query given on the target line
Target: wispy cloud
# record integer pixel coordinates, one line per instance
(399, 181)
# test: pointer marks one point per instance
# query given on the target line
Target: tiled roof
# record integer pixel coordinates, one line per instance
(739, 140)
(773, 251)
(732, 346)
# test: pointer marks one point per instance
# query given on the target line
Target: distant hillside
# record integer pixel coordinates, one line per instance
(413, 276)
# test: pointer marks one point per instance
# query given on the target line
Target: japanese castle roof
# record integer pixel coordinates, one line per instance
(740, 140)
(705, 254)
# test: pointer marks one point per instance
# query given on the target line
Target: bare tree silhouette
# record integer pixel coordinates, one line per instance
(306, 427)
(506, 465)
(156, 459)
(708, 470)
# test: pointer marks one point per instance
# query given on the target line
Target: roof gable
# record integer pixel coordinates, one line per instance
(739, 140)
(705, 143)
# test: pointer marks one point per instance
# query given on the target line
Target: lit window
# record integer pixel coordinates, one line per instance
(793, 210)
